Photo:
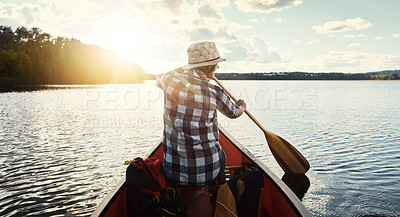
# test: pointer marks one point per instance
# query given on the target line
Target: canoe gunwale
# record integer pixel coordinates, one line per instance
(294, 201)
(109, 199)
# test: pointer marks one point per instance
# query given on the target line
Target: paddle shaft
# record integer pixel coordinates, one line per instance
(247, 112)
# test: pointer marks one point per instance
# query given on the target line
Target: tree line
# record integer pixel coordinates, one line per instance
(31, 56)
(382, 75)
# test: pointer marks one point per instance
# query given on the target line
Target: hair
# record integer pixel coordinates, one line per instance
(206, 72)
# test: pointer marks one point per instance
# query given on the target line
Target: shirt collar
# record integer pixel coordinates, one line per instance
(191, 72)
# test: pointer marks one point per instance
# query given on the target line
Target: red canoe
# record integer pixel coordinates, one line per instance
(278, 199)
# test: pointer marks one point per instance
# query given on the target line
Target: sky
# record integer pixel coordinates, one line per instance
(347, 36)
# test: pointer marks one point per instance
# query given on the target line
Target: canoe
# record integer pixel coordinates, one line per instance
(278, 198)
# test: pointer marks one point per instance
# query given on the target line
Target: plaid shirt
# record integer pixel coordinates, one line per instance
(192, 154)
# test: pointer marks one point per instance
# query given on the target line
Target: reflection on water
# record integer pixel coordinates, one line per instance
(62, 149)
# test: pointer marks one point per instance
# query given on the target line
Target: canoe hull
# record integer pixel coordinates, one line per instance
(278, 199)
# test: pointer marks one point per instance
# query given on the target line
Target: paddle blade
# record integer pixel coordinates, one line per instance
(287, 156)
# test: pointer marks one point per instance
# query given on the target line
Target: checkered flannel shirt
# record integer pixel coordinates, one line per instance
(192, 154)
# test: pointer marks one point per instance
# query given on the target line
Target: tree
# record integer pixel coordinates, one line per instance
(6, 38)
(22, 34)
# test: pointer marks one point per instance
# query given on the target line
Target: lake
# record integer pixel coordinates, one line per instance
(62, 148)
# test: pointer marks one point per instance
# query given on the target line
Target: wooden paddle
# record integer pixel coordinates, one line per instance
(287, 156)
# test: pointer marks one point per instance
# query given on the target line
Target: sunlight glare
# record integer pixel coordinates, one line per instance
(129, 38)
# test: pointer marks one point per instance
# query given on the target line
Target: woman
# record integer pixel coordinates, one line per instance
(193, 158)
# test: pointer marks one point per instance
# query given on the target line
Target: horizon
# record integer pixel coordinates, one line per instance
(283, 35)
(380, 71)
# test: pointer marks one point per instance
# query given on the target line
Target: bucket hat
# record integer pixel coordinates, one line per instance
(202, 53)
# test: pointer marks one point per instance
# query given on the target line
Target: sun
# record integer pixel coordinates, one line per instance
(131, 39)
(138, 41)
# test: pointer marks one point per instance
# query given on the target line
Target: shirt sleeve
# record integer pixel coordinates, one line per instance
(160, 78)
(226, 105)
(163, 79)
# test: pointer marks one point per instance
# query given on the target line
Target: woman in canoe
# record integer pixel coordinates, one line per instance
(193, 158)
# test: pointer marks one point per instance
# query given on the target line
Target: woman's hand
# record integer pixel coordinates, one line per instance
(242, 106)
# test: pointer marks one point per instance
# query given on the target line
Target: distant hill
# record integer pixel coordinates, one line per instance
(381, 75)
(31, 56)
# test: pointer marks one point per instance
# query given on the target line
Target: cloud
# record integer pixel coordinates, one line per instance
(162, 12)
(204, 33)
(342, 26)
(254, 49)
(354, 36)
(160, 7)
(309, 42)
(313, 42)
(378, 38)
(264, 19)
(278, 20)
(262, 52)
(208, 11)
(353, 45)
(396, 35)
(190, 21)
(21, 14)
(71, 7)
(57, 17)
(266, 6)
(353, 61)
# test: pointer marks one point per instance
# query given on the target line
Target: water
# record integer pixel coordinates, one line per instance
(62, 148)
